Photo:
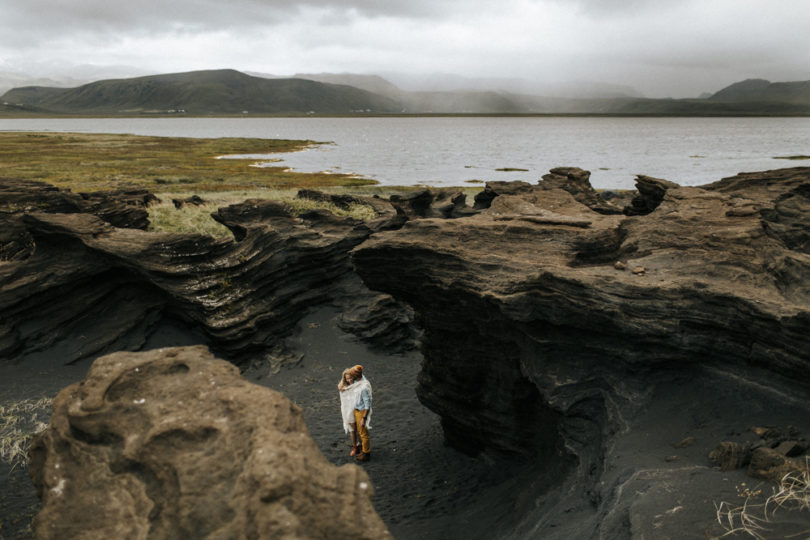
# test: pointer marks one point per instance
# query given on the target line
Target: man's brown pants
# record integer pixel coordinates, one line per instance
(362, 431)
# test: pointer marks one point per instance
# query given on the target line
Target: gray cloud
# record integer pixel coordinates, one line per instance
(154, 16)
(621, 8)
(660, 47)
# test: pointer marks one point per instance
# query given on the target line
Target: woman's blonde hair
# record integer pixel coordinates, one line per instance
(342, 384)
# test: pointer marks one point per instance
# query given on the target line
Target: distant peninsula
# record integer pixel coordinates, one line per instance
(229, 92)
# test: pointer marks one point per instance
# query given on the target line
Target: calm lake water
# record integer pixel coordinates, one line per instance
(453, 151)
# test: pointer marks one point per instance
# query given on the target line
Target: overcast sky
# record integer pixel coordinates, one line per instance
(675, 48)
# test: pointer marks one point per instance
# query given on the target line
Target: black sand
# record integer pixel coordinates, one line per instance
(423, 488)
(426, 490)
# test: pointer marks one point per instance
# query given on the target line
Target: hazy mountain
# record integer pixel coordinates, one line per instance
(233, 92)
(265, 75)
(760, 90)
(59, 74)
(204, 92)
(370, 83)
(455, 94)
(9, 80)
(460, 103)
(445, 82)
(745, 98)
(706, 107)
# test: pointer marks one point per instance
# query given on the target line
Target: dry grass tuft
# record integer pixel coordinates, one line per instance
(164, 217)
(19, 422)
(752, 519)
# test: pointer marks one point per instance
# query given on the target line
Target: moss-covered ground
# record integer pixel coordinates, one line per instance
(86, 162)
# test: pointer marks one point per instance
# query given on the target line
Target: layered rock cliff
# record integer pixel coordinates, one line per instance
(551, 322)
(80, 276)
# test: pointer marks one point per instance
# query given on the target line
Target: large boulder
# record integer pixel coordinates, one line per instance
(174, 443)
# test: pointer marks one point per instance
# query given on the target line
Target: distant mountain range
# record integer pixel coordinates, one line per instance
(230, 92)
(760, 90)
(202, 92)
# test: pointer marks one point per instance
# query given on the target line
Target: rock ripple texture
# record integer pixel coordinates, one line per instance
(75, 280)
(174, 443)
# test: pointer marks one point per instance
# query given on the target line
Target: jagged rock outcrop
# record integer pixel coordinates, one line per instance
(174, 443)
(430, 203)
(74, 281)
(544, 332)
(121, 208)
(577, 182)
(651, 192)
(484, 199)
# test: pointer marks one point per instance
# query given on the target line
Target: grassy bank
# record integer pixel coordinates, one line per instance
(86, 162)
(177, 168)
(164, 217)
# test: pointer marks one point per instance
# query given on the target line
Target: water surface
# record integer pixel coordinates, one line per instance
(454, 151)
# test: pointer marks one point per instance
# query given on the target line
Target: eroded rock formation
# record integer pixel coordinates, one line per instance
(556, 328)
(174, 443)
(76, 282)
(548, 320)
(121, 208)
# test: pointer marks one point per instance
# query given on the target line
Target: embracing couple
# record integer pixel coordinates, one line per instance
(355, 408)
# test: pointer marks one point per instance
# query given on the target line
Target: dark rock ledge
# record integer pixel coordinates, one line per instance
(550, 324)
(74, 282)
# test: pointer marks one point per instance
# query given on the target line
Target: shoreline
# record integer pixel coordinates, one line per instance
(49, 115)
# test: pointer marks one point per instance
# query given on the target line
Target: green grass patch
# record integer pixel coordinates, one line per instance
(19, 422)
(164, 217)
(86, 162)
